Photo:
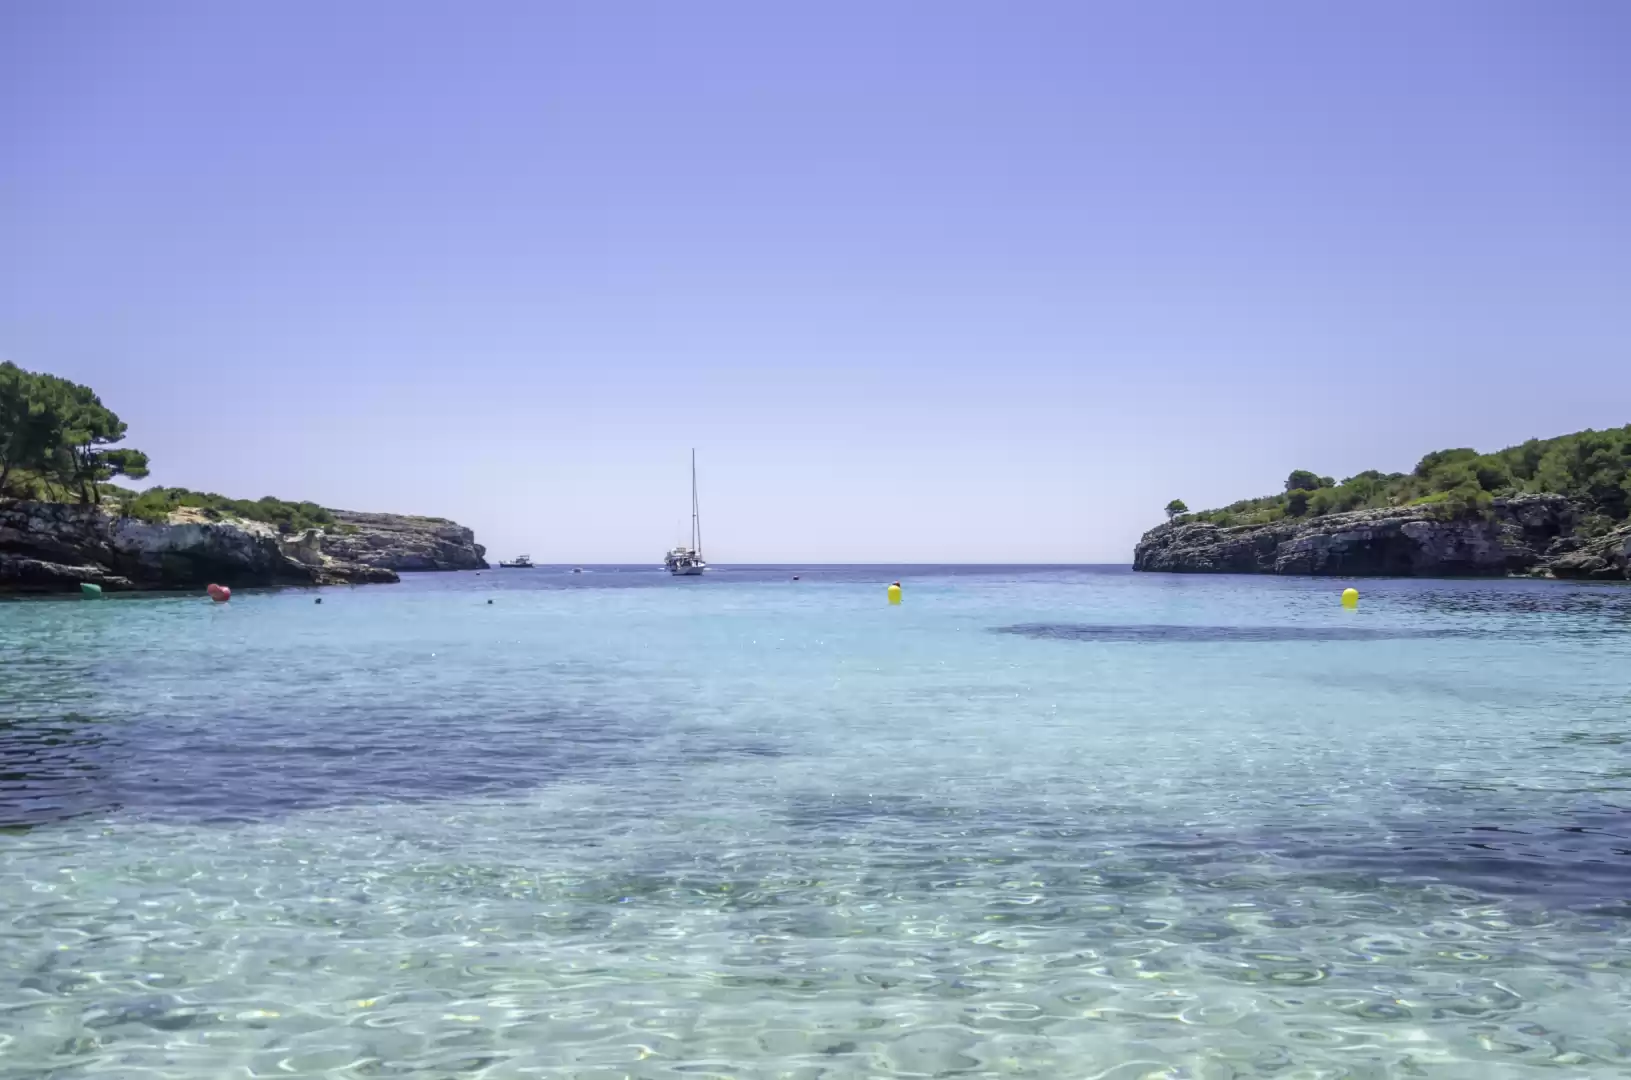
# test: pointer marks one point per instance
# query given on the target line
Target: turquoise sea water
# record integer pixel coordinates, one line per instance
(1038, 823)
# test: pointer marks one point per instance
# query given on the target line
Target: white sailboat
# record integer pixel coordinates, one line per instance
(687, 561)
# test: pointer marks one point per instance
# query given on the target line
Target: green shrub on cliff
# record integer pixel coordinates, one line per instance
(1462, 501)
(1593, 468)
(1303, 480)
(156, 504)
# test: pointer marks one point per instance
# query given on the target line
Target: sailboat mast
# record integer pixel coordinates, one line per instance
(696, 515)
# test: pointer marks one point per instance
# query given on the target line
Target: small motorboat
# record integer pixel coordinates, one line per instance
(520, 562)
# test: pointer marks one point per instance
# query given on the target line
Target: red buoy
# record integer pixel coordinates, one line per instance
(219, 593)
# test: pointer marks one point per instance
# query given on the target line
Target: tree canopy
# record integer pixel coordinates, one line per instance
(1303, 480)
(57, 436)
(1593, 468)
(1176, 507)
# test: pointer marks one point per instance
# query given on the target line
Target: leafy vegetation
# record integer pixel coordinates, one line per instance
(57, 437)
(156, 504)
(1176, 507)
(1303, 480)
(1593, 468)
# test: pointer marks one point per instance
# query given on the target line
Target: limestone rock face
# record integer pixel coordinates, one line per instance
(21, 574)
(1605, 558)
(403, 542)
(53, 547)
(1522, 534)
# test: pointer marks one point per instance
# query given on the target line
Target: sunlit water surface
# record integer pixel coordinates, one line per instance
(1040, 823)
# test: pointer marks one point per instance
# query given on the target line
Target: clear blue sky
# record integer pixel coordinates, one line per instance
(921, 281)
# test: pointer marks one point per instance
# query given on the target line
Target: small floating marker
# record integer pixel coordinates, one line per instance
(1350, 597)
(894, 593)
(88, 589)
(489, 601)
(317, 600)
(219, 593)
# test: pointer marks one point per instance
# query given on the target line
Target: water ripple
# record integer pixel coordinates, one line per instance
(1141, 632)
(743, 827)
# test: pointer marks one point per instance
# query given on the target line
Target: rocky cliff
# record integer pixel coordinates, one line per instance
(1605, 558)
(402, 542)
(1524, 534)
(51, 547)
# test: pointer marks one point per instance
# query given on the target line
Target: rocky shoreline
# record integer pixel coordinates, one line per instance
(54, 547)
(1532, 535)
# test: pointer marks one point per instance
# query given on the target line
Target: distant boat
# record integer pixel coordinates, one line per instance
(688, 561)
(577, 569)
(520, 562)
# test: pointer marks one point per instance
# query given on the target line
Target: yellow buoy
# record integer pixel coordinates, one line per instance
(894, 593)
(1350, 597)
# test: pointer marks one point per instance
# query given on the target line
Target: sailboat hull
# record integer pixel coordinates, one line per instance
(687, 570)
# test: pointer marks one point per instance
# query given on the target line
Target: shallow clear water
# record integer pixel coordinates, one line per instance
(1046, 823)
